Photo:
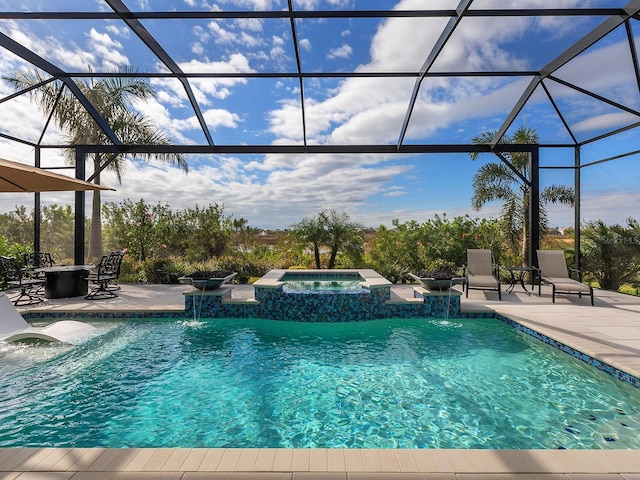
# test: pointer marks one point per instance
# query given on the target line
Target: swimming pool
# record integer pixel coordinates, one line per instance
(397, 383)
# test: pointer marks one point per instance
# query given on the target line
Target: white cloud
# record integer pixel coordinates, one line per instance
(344, 51)
(305, 44)
(197, 48)
(108, 50)
(251, 24)
(607, 121)
(217, 117)
(201, 34)
(225, 36)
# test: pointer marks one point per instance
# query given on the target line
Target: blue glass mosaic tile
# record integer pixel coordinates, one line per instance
(583, 357)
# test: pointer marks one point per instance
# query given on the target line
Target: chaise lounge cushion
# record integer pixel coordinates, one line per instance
(567, 284)
(484, 281)
(553, 270)
(14, 327)
(480, 271)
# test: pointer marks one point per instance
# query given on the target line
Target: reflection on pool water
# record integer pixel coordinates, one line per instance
(341, 286)
(418, 383)
(328, 283)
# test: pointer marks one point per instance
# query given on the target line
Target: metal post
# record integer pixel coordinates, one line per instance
(78, 245)
(576, 208)
(534, 206)
(36, 209)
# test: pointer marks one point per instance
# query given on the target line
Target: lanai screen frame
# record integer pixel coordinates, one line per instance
(612, 19)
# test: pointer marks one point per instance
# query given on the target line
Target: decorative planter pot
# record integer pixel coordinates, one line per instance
(207, 280)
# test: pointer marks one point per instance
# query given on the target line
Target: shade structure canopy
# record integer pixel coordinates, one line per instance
(17, 177)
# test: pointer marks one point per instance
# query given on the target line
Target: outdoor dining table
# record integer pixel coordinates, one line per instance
(517, 277)
(65, 280)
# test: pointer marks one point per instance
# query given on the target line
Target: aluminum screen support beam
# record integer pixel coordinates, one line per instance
(78, 238)
(296, 48)
(602, 30)
(37, 213)
(534, 207)
(446, 33)
(42, 64)
(576, 208)
(149, 40)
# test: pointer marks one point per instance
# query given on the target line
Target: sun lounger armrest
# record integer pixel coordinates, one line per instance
(575, 271)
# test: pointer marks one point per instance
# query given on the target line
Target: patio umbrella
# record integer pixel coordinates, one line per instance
(17, 177)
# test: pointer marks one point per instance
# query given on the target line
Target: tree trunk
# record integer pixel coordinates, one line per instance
(95, 233)
(332, 258)
(316, 252)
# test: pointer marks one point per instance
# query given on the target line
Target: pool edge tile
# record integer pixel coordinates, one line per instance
(229, 460)
(282, 459)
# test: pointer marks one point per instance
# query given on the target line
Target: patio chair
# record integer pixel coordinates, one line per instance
(103, 276)
(14, 277)
(36, 260)
(114, 285)
(480, 272)
(552, 269)
(14, 327)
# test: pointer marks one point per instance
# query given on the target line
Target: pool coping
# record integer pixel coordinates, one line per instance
(370, 278)
(334, 464)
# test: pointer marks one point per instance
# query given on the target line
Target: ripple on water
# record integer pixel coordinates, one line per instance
(426, 383)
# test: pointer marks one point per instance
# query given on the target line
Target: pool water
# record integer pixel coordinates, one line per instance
(425, 383)
(310, 283)
(304, 286)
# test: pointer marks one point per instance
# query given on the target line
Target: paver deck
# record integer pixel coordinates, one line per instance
(610, 332)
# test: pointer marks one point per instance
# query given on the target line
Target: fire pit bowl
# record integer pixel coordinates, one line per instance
(441, 281)
(207, 280)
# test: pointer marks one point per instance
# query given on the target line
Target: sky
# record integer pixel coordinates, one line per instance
(277, 191)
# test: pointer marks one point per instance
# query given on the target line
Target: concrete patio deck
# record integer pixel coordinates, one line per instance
(610, 332)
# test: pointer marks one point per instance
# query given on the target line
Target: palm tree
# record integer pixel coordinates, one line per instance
(342, 235)
(112, 97)
(330, 229)
(311, 232)
(496, 181)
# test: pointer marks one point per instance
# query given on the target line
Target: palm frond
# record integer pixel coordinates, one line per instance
(559, 194)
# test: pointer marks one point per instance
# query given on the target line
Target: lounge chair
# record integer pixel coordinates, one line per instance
(14, 327)
(552, 269)
(480, 271)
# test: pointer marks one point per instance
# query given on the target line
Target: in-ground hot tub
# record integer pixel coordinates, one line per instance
(321, 296)
(327, 282)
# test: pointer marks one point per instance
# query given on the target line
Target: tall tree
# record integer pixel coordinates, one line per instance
(611, 253)
(310, 232)
(342, 235)
(113, 98)
(330, 229)
(496, 181)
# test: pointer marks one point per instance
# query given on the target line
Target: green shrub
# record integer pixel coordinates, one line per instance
(161, 270)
